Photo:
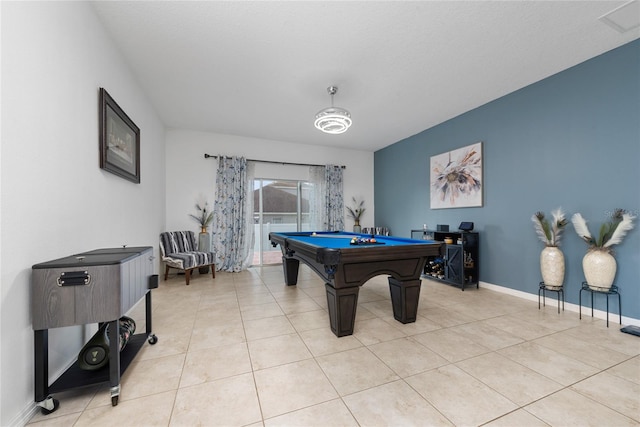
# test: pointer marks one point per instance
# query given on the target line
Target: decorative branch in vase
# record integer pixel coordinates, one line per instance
(599, 265)
(356, 213)
(203, 217)
(551, 258)
(550, 235)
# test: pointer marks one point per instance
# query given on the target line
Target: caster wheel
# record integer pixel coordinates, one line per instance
(49, 405)
(153, 339)
(114, 400)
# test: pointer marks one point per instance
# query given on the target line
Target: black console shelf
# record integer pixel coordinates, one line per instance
(458, 263)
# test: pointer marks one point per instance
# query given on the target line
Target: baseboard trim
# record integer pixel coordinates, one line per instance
(24, 416)
(586, 311)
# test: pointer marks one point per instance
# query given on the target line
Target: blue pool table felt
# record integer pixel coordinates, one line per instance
(343, 240)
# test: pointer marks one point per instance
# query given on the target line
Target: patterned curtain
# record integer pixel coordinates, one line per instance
(233, 214)
(317, 213)
(334, 200)
(327, 204)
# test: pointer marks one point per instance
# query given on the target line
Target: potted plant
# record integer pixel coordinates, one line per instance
(356, 214)
(204, 218)
(551, 258)
(599, 265)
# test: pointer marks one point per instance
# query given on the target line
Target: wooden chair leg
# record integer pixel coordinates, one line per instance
(166, 273)
(213, 271)
(187, 275)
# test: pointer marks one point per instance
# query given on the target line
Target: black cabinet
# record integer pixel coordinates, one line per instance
(458, 262)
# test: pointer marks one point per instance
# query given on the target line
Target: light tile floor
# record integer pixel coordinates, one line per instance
(243, 349)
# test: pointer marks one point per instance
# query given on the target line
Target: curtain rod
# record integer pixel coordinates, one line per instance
(207, 156)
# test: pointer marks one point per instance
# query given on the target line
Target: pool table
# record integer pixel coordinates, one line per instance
(345, 266)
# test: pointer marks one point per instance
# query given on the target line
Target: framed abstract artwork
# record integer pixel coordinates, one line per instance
(119, 140)
(456, 178)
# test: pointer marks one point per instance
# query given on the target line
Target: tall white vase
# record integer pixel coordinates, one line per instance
(599, 269)
(552, 267)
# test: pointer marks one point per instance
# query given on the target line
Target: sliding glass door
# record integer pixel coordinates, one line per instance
(279, 206)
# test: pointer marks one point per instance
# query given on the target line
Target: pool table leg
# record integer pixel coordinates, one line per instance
(290, 266)
(342, 304)
(404, 297)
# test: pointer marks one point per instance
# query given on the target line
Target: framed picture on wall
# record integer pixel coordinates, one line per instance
(119, 140)
(456, 178)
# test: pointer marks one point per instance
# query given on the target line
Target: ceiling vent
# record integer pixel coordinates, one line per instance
(623, 18)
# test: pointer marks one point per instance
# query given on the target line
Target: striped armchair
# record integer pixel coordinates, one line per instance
(180, 250)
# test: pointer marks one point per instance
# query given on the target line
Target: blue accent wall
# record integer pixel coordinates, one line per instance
(571, 140)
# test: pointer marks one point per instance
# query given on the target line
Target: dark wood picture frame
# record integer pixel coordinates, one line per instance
(119, 140)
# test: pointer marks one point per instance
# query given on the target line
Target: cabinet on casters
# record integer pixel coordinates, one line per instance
(98, 286)
(458, 263)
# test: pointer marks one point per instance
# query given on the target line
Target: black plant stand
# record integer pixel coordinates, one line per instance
(543, 288)
(608, 292)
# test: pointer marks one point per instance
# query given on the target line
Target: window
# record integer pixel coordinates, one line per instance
(279, 206)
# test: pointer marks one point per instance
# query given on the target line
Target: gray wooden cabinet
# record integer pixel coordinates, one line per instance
(98, 286)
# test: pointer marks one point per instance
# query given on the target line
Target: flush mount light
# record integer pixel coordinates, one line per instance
(333, 120)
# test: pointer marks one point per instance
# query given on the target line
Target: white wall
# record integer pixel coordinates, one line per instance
(55, 200)
(190, 175)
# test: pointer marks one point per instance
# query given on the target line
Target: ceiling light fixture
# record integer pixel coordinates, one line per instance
(333, 120)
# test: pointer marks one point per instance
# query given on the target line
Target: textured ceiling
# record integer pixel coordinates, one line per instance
(262, 68)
